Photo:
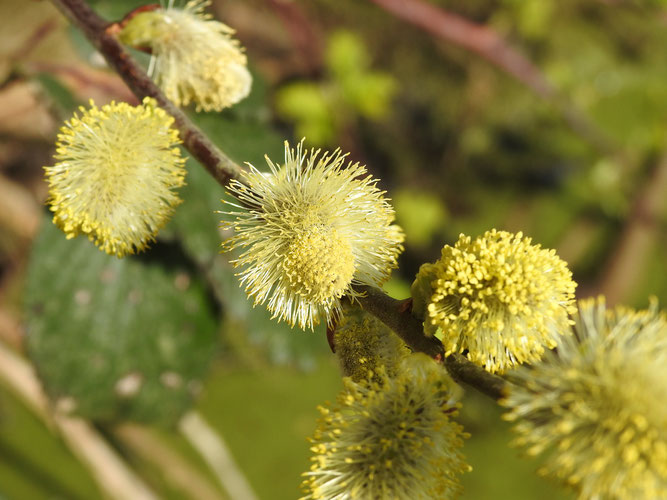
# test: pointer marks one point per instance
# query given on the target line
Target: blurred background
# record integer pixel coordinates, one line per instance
(542, 116)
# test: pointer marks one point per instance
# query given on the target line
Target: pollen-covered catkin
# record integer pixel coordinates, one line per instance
(395, 439)
(498, 298)
(596, 407)
(195, 58)
(116, 175)
(309, 230)
(363, 344)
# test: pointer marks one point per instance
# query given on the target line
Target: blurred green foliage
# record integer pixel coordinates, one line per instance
(349, 91)
(422, 215)
(35, 464)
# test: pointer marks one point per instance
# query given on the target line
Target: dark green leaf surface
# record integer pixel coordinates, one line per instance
(116, 338)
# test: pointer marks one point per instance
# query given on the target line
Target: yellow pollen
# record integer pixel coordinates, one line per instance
(319, 264)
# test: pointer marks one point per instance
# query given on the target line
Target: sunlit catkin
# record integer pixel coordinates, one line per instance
(498, 298)
(394, 439)
(195, 58)
(116, 175)
(308, 231)
(597, 407)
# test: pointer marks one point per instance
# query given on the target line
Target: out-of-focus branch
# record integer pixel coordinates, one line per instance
(219, 165)
(108, 469)
(303, 37)
(638, 237)
(476, 38)
(212, 448)
(396, 316)
(81, 79)
(175, 469)
(489, 45)
(35, 38)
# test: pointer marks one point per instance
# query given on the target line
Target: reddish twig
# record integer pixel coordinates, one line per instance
(489, 45)
(392, 312)
(303, 37)
(35, 38)
(478, 39)
(219, 165)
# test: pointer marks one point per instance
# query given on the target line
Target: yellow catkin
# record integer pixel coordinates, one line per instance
(596, 407)
(498, 298)
(307, 231)
(195, 58)
(116, 175)
(394, 439)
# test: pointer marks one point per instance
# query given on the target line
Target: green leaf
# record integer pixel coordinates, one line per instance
(421, 215)
(116, 339)
(346, 54)
(309, 107)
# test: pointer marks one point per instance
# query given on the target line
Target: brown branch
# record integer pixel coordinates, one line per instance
(463, 370)
(219, 165)
(393, 314)
(476, 38)
(489, 45)
(304, 38)
(223, 169)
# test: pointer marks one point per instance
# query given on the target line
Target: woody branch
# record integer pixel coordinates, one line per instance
(100, 34)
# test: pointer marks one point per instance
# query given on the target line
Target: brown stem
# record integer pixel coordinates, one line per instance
(393, 314)
(223, 169)
(303, 36)
(219, 165)
(473, 37)
(463, 370)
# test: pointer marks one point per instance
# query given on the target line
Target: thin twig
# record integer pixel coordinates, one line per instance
(219, 165)
(463, 370)
(36, 37)
(304, 38)
(489, 45)
(393, 314)
(223, 170)
(473, 37)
